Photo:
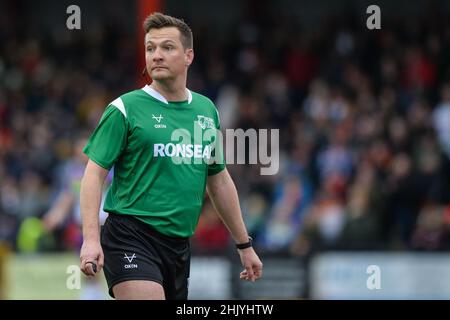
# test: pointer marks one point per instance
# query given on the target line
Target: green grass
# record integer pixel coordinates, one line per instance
(43, 277)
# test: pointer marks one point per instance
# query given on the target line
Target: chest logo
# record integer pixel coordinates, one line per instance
(158, 119)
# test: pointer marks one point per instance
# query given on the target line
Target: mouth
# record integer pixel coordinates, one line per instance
(158, 68)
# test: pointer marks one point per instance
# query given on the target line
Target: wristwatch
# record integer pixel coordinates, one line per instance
(246, 244)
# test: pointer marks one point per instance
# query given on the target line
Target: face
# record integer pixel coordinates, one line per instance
(165, 57)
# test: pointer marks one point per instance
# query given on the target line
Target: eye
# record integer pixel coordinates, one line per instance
(168, 48)
(150, 49)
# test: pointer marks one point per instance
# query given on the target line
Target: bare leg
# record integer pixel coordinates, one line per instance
(138, 290)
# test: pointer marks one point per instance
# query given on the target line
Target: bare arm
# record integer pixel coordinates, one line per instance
(90, 200)
(223, 194)
(56, 215)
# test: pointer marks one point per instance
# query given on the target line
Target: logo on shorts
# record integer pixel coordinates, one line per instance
(130, 260)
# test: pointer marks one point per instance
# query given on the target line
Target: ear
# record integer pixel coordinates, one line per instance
(189, 57)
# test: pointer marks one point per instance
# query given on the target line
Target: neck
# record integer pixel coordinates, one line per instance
(172, 91)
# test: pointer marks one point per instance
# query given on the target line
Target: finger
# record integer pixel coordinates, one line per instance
(88, 268)
(250, 273)
(101, 262)
(246, 276)
(91, 267)
(243, 275)
(83, 267)
(258, 273)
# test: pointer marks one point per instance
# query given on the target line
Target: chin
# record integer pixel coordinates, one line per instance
(159, 76)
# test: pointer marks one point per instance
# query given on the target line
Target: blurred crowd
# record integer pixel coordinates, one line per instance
(364, 120)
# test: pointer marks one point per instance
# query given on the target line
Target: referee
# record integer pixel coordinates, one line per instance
(155, 199)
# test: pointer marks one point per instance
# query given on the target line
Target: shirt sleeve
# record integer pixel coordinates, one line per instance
(109, 138)
(217, 153)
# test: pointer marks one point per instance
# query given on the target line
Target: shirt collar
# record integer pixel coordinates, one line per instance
(158, 96)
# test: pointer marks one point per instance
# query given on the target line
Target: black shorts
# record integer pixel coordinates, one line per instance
(135, 251)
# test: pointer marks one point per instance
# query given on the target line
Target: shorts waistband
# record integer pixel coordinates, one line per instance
(145, 227)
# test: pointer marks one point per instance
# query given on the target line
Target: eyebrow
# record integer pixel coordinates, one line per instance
(163, 42)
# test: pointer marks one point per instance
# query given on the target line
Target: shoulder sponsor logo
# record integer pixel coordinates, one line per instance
(205, 122)
(158, 119)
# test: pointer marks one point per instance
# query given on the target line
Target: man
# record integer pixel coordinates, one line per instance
(154, 200)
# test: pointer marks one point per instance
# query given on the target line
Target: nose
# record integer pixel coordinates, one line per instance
(156, 55)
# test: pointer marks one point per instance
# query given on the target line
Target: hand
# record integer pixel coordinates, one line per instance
(252, 264)
(91, 257)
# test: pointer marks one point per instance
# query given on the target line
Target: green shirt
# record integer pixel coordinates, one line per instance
(162, 153)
